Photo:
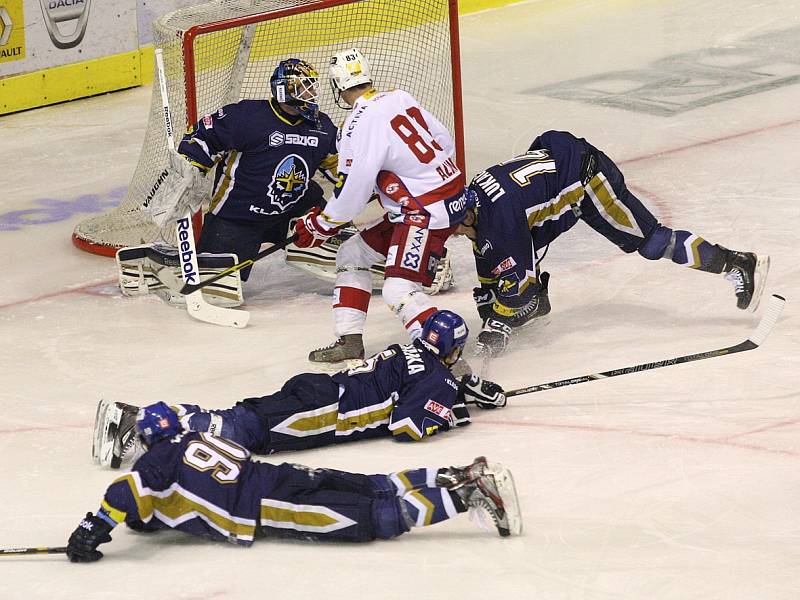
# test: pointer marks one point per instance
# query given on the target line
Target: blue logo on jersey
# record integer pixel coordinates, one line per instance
(289, 182)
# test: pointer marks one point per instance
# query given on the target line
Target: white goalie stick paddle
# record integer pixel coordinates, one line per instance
(768, 320)
(196, 305)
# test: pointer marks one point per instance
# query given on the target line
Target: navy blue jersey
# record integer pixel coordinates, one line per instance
(264, 158)
(405, 391)
(197, 483)
(524, 204)
(208, 486)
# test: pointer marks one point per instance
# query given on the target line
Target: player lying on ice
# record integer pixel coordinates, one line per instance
(407, 392)
(208, 486)
(517, 207)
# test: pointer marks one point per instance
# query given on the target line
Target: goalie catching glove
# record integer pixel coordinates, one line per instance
(182, 191)
(485, 394)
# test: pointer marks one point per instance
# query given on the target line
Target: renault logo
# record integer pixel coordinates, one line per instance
(5, 26)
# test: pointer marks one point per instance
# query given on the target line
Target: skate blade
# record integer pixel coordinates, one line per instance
(508, 492)
(106, 421)
(760, 276)
(335, 367)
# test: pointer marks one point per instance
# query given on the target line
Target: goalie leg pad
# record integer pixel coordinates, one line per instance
(142, 271)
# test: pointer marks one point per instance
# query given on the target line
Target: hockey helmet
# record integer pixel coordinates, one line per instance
(294, 82)
(348, 69)
(156, 422)
(443, 333)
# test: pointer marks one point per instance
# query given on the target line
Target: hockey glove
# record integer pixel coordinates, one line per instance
(90, 533)
(484, 297)
(485, 394)
(494, 337)
(459, 415)
(310, 233)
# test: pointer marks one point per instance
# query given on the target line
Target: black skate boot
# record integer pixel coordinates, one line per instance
(748, 273)
(538, 307)
(114, 433)
(486, 490)
(348, 347)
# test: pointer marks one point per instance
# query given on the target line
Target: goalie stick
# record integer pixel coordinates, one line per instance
(196, 305)
(41, 550)
(768, 320)
(168, 278)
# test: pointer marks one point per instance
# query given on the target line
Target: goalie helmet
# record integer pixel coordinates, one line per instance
(443, 333)
(348, 69)
(156, 422)
(294, 82)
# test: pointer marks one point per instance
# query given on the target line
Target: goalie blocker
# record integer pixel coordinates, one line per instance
(143, 270)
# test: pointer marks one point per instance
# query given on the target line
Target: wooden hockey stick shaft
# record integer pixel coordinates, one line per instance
(41, 550)
(768, 320)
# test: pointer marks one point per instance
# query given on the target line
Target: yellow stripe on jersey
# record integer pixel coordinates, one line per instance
(610, 208)
(302, 517)
(368, 417)
(425, 514)
(330, 163)
(176, 505)
(226, 180)
(555, 207)
(406, 426)
(115, 514)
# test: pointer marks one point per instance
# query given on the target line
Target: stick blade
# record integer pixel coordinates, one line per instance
(200, 309)
(774, 309)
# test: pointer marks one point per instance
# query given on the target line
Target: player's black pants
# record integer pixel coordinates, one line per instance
(244, 238)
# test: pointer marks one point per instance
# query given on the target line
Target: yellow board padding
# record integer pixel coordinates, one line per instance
(67, 82)
(130, 69)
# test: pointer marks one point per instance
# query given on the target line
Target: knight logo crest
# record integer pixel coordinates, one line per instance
(289, 182)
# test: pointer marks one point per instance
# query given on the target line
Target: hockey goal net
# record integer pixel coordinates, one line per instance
(224, 51)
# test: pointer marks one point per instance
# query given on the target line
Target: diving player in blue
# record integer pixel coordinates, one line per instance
(208, 486)
(518, 207)
(407, 392)
(264, 154)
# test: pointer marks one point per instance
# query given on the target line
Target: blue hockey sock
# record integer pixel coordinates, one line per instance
(236, 424)
(683, 248)
(427, 506)
(413, 479)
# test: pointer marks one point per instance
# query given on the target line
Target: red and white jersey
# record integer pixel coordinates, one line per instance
(391, 145)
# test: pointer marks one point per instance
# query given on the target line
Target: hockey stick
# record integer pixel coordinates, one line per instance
(168, 278)
(768, 320)
(42, 550)
(196, 305)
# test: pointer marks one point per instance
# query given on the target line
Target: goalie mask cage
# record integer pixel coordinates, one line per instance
(224, 51)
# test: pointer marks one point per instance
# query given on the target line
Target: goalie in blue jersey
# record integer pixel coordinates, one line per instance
(261, 156)
(208, 486)
(406, 392)
(518, 207)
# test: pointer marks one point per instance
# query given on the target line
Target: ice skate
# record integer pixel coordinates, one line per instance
(748, 274)
(349, 347)
(114, 433)
(538, 307)
(487, 490)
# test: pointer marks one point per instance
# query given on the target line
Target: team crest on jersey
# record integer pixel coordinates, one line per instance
(289, 182)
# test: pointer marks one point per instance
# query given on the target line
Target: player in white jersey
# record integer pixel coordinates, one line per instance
(391, 146)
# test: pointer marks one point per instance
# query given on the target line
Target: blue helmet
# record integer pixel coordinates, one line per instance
(156, 422)
(443, 332)
(294, 82)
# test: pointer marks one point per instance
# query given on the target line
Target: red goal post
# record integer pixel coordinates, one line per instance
(225, 51)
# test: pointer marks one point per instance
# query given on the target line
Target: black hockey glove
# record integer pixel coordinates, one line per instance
(459, 414)
(83, 543)
(494, 337)
(485, 394)
(484, 297)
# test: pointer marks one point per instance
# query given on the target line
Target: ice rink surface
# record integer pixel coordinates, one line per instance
(679, 483)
